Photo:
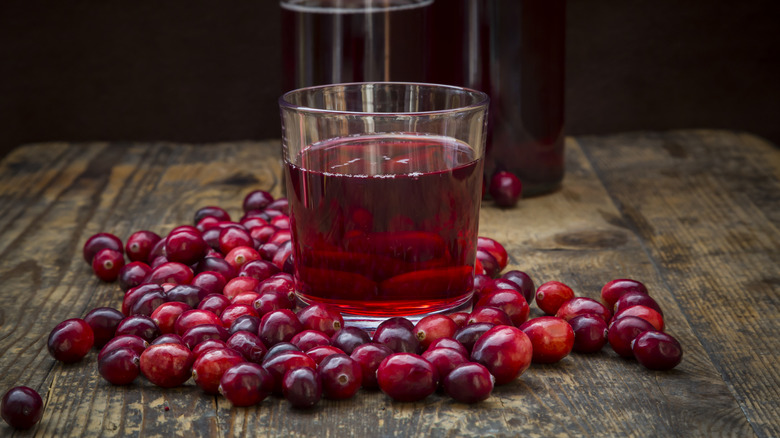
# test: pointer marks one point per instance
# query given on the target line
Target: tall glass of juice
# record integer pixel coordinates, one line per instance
(384, 182)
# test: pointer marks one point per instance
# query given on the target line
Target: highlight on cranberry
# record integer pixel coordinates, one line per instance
(214, 302)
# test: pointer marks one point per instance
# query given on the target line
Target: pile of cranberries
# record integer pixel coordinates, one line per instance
(215, 303)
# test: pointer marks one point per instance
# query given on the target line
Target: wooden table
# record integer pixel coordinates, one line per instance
(692, 214)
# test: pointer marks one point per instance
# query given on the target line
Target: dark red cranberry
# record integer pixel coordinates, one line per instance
(445, 360)
(583, 306)
(133, 274)
(186, 247)
(469, 383)
(187, 294)
(120, 366)
(643, 312)
(121, 341)
(510, 301)
(623, 331)
(245, 323)
(468, 335)
(263, 234)
(481, 283)
(239, 284)
(234, 311)
(217, 264)
(505, 351)
(495, 249)
(208, 344)
(461, 319)
(21, 407)
(199, 333)
(140, 244)
(407, 377)
(492, 315)
(369, 356)
(301, 387)
(193, 318)
(279, 365)
(167, 365)
(348, 338)
(214, 303)
(230, 238)
(434, 327)
(171, 272)
(207, 370)
(101, 241)
(158, 251)
(551, 295)
(283, 254)
(70, 340)
(321, 317)
(246, 384)
(278, 349)
(281, 283)
(210, 281)
(279, 326)
(657, 350)
(630, 299)
(552, 338)
(103, 321)
(308, 339)
(396, 334)
(613, 290)
(256, 200)
(449, 343)
(523, 282)
(107, 263)
(590, 333)
(168, 338)
(489, 263)
(139, 325)
(505, 189)
(259, 269)
(269, 301)
(211, 237)
(148, 303)
(249, 345)
(340, 376)
(211, 211)
(319, 353)
(205, 224)
(281, 205)
(166, 314)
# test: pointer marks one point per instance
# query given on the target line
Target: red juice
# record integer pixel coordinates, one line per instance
(337, 41)
(385, 225)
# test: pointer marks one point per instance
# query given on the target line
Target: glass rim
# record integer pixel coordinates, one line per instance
(481, 99)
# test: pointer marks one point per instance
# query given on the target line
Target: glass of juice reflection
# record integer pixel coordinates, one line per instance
(384, 182)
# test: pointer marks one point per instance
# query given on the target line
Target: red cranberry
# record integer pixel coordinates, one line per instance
(468, 336)
(283, 257)
(505, 189)
(136, 343)
(166, 314)
(511, 302)
(249, 345)
(583, 306)
(281, 283)
(214, 303)
(259, 269)
(552, 338)
(148, 303)
(185, 246)
(230, 238)
(590, 333)
(481, 283)
(257, 200)
(523, 282)
(187, 294)
(348, 338)
(167, 365)
(98, 242)
(21, 407)
(246, 384)
(207, 345)
(449, 343)
(301, 387)
(120, 366)
(645, 313)
(407, 377)
(133, 274)
(252, 222)
(103, 321)
(340, 375)
(445, 360)
(234, 311)
(70, 340)
(279, 326)
(369, 356)
(199, 333)
(657, 350)
(398, 334)
(211, 211)
(505, 351)
(139, 325)
(282, 205)
(245, 323)
(158, 251)
(630, 299)
(246, 298)
(168, 338)
(495, 249)
(217, 264)
(107, 263)
(321, 317)
(211, 282)
(171, 272)
(269, 301)
(623, 331)
(469, 383)
(263, 234)
(193, 318)
(239, 284)
(490, 315)
(140, 244)
(281, 347)
(280, 238)
(319, 353)
(282, 363)
(207, 370)
(489, 263)
(461, 319)
(434, 327)
(551, 295)
(613, 290)
(308, 339)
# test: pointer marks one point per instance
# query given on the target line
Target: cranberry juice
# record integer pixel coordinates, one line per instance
(385, 225)
(514, 51)
(336, 41)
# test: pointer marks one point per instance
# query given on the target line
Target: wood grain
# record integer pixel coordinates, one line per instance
(692, 214)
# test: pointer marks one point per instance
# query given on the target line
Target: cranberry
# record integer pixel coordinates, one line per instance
(461, 319)
(551, 295)
(434, 327)
(21, 407)
(168, 338)
(107, 263)
(308, 339)
(505, 351)
(490, 315)
(590, 333)
(489, 263)
(280, 238)
(495, 249)
(523, 282)
(252, 222)
(630, 299)
(232, 237)
(70, 340)
(211, 282)
(136, 343)
(214, 303)
(468, 336)
(185, 246)
(281, 364)
(158, 251)
(98, 242)
(469, 383)
(167, 365)
(369, 356)
(246, 298)
(133, 274)
(279, 326)
(449, 343)
(643, 312)
(263, 234)
(511, 302)
(657, 350)
(481, 283)
(321, 317)
(301, 387)
(249, 345)
(505, 189)
(623, 331)
(233, 311)
(257, 200)
(348, 338)
(245, 323)
(166, 314)
(170, 272)
(216, 264)
(340, 375)
(140, 244)
(194, 317)
(103, 321)
(278, 283)
(407, 377)
(269, 301)
(139, 325)
(211, 211)
(398, 334)
(207, 370)
(445, 360)
(319, 353)
(278, 349)
(259, 269)
(207, 345)
(552, 338)
(583, 306)
(246, 384)
(282, 205)
(241, 255)
(199, 333)
(613, 290)
(148, 303)
(120, 366)
(283, 257)
(237, 285)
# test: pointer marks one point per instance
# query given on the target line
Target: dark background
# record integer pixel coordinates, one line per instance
(203, 71)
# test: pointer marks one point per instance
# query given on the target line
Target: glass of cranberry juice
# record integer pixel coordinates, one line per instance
(384, 182)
